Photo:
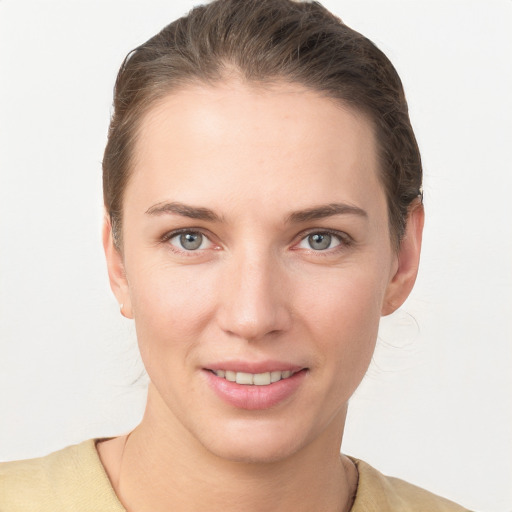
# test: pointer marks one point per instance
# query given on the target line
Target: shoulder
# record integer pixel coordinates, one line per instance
(70, 479)
(377, 492)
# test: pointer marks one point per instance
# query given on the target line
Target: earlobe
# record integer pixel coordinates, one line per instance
(116, 271)
(404, 278)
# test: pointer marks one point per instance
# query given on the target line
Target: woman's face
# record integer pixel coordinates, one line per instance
(255, 247)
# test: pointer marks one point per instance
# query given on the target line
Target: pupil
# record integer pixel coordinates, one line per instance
(191, 241)
(320, 241)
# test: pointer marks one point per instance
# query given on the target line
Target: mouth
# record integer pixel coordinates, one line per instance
(255, 391)
(254, 379)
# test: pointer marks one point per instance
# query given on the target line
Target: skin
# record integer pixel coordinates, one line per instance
(254, 291)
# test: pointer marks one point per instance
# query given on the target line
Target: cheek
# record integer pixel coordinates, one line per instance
(342, 312)
(171, 306)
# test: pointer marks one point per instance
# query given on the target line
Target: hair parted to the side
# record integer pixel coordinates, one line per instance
(266, 41)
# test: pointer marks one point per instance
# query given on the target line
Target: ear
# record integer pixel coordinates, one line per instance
(408, 261)
(116, 272)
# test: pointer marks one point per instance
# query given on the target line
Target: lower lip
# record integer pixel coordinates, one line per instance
(254, 397)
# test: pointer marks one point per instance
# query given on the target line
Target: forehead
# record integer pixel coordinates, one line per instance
(253, 143)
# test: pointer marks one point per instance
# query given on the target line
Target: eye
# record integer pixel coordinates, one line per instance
(320, 241)
(189, 241)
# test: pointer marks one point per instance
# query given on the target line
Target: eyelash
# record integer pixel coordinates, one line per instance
(345, 240)
(170, 235)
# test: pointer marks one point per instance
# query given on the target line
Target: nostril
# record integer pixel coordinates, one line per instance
(252, 306)
(253, 333)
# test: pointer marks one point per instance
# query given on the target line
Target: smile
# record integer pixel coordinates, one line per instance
(253, 391)
(253, 379)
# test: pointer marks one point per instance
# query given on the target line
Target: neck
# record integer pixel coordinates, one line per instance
(162, 469)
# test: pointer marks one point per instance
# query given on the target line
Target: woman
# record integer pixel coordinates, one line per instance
(262, 186)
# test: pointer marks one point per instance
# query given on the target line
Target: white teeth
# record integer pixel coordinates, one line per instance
(275, 376)
(244, 378)
(261, 379)
(256, 379)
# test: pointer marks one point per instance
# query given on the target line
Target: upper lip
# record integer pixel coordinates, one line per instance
(254, 366)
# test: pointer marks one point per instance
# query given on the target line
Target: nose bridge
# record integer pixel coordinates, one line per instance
(253, 302)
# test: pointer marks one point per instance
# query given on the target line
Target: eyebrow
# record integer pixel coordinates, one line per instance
(323, 211)
(201, 213)
(184, 210)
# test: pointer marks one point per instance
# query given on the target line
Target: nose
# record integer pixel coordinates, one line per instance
(254, 298)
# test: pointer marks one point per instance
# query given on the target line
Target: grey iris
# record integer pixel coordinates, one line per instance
(191, 241)
(319, 241)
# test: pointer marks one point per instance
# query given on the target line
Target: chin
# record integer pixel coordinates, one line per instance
(259, 441)
(253, 450)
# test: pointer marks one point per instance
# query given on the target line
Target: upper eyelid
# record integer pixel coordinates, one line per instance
(169, 235)
(342, 235)
(174, 232)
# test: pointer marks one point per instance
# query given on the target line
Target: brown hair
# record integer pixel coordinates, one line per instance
(266, 41)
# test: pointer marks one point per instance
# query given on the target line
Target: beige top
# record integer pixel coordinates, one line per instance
(74, 479)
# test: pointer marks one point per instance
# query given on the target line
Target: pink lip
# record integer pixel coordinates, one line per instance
(254, 397)
(254, 367)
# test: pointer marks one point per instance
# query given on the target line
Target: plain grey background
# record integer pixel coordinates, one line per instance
(435, 407)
